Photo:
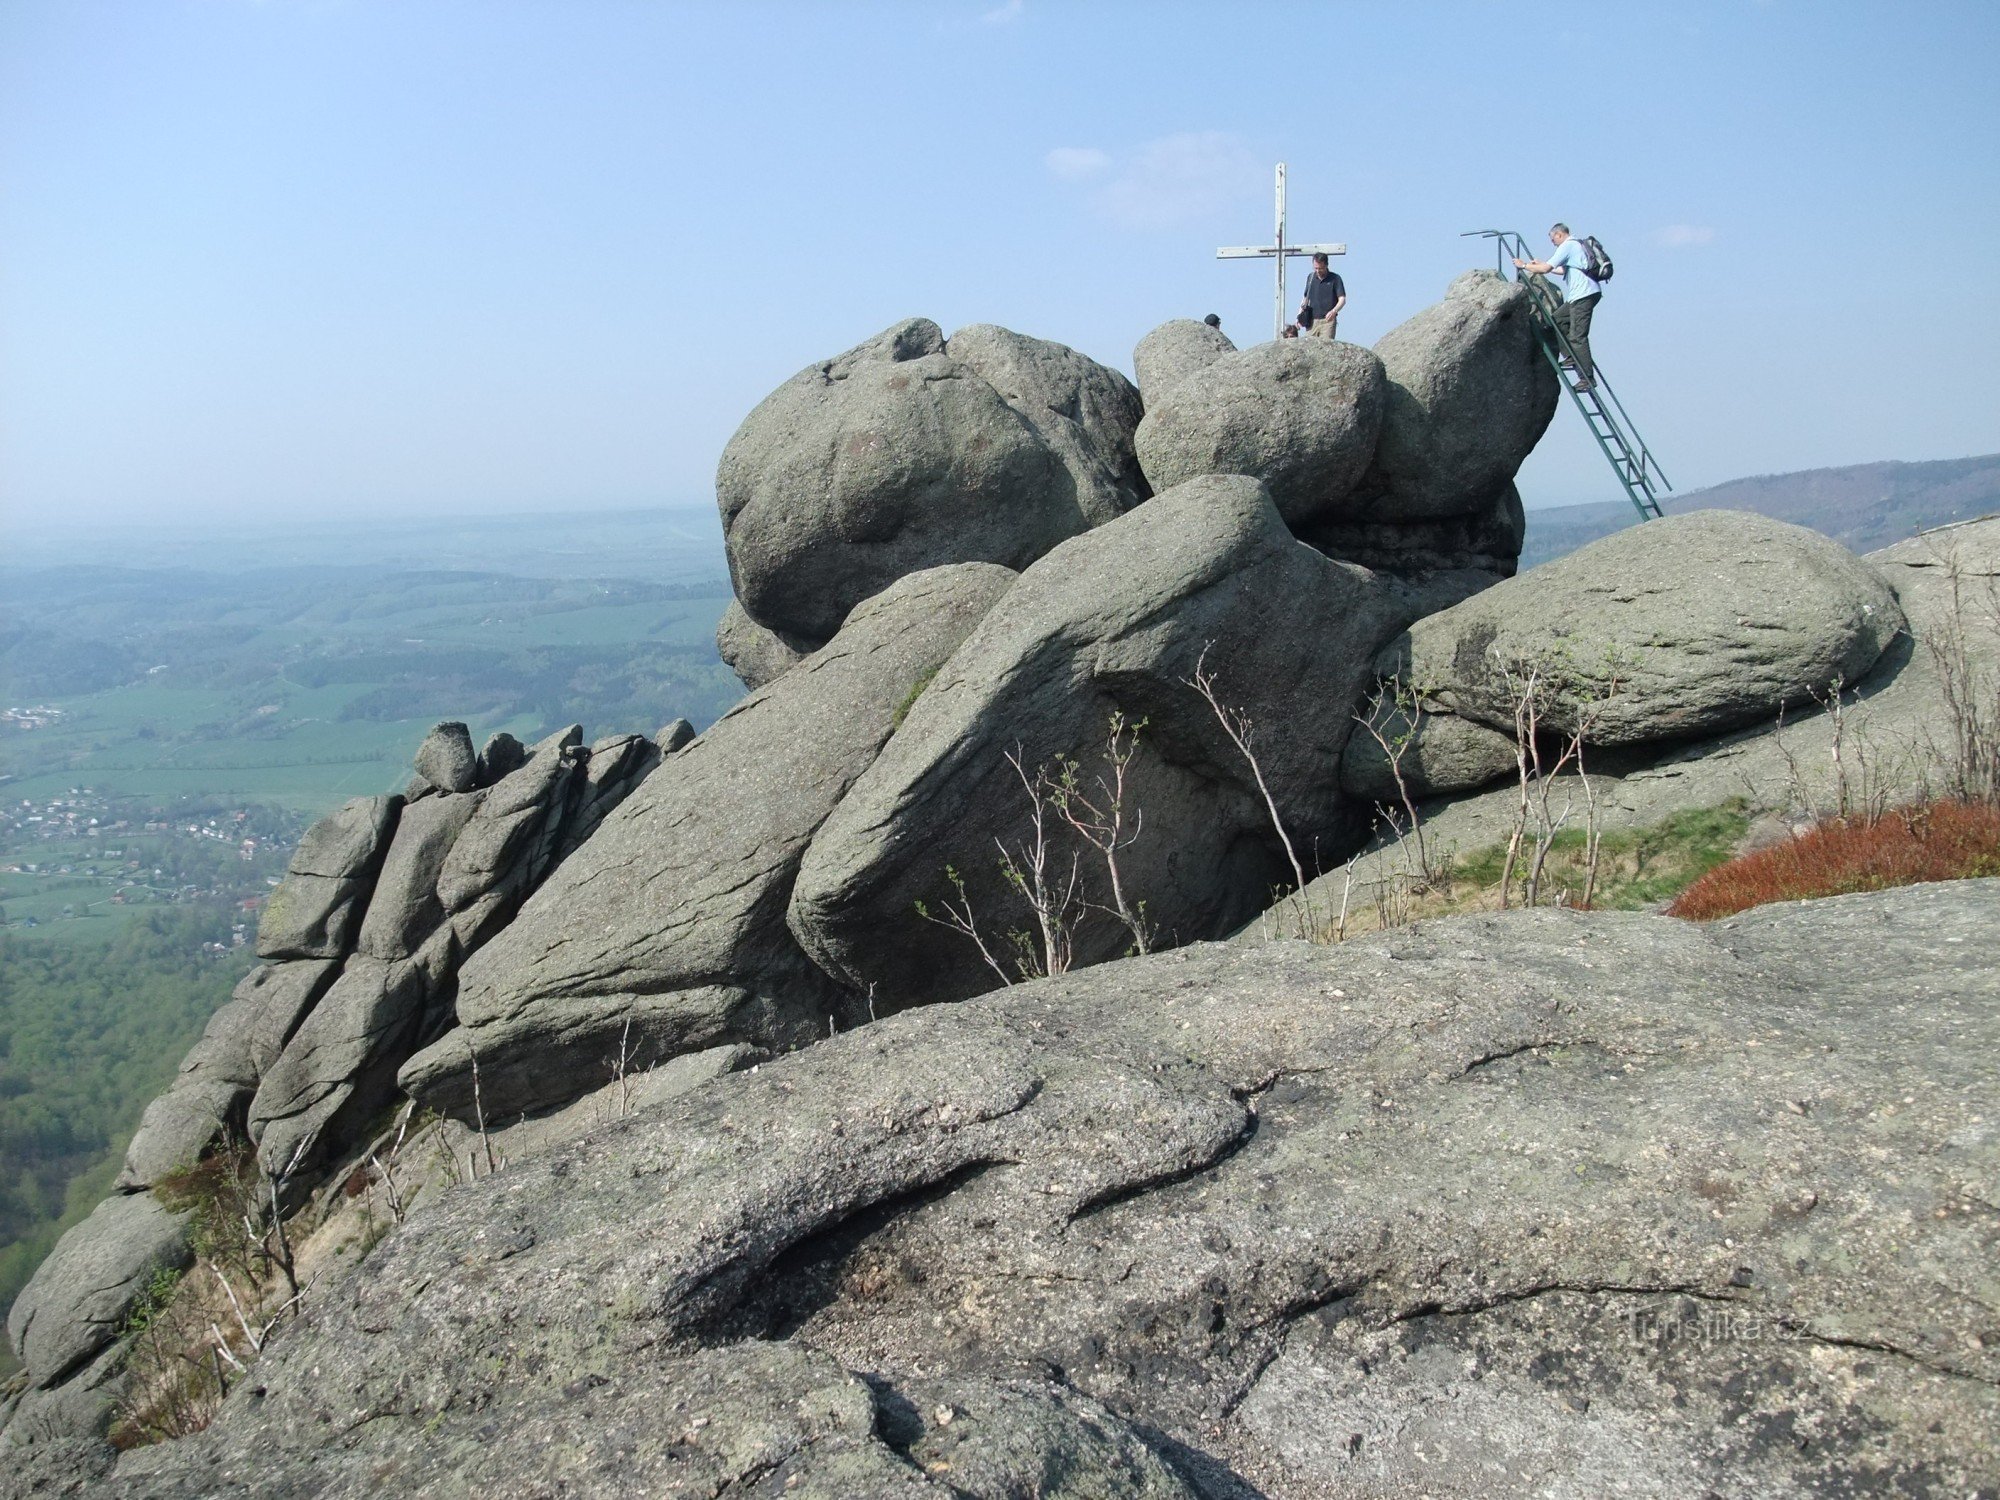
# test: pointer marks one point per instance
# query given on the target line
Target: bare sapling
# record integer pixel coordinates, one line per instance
(1241, 729)
(1033, 868)
(1524, 691)
(957, 914)
(478, 1118)
(1393, 718)
(383, 1164)
(621, 1068)
(1556, 712)
(1968, 676)
(1097, 815)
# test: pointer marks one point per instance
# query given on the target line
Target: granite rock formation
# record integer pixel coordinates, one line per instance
(1687, 626)
(904, 454)
(666, 932)
(1457, 1211)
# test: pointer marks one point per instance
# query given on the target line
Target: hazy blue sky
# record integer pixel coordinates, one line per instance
(378, 255)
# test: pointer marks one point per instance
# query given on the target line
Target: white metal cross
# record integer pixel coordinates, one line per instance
(1279, 252)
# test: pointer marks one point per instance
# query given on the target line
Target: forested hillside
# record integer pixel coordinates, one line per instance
(89, 1031)
(1861, 506)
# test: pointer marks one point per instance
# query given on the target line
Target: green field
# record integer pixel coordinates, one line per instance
(301, 687)
(171, 731)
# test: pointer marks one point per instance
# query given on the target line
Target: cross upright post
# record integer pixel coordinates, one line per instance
(1279, 251)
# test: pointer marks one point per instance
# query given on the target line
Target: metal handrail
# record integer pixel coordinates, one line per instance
(1634, 464)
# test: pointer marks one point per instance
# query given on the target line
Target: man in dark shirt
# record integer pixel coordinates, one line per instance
(1326, 295)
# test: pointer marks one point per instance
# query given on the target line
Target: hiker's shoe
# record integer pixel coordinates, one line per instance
(1584, 387)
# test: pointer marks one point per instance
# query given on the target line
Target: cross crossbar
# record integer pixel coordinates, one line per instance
(1279, 252)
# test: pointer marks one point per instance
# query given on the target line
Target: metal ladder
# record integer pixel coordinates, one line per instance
(1605, 414)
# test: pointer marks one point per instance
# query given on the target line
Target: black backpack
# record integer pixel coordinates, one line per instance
(1596, 260)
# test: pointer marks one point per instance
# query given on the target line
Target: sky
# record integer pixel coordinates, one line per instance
(264, 259)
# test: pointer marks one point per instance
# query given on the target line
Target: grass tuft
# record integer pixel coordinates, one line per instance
(1947, 840)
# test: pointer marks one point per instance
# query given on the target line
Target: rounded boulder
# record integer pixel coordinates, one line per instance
(1301, 415)
(899, 455)
(1680, 627)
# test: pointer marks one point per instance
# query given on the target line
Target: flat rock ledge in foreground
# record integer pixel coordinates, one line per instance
(1530, 1204)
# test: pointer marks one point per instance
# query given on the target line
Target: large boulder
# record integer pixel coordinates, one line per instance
(1506, 1206)
(219, 1075)
(754, 653)
(665, 933)
(1469, 395)
(1085, 412)
(316, 910)
(447, 760)
(899, 455)
(76, 1303)
(1175, 350)
(1684, 626)
(1118, 621)
(1301, 415)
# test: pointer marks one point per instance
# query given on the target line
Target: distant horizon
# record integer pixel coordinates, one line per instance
(72, 529)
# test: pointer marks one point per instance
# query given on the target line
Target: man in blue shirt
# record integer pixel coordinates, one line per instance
(1325, 296)
(1580, 296)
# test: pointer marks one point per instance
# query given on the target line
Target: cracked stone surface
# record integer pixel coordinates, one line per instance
(316, 909)
(1532, 1204)
(671, 919)
(76, 1303)
(1116, 620)
(220, 1074)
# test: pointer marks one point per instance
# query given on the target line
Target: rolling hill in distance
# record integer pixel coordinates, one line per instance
(1861, 506)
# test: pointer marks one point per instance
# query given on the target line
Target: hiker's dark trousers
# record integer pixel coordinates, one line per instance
(1576, 323)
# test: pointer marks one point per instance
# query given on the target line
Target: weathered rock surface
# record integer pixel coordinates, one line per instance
(1085, 412)
(665, 933)
(447, 760)
(507, 846)
(1175, 350)
(1439, 753)
(1116, 620)
(674, 737)
(339, 1069)
(1302, 415)
(503, 756)
(754, 653)
(221, 1071)
(404, 909)
(1503, 1206)
(1705, 622)
(316, 910)
(743, 1418)
(76, 1302)
(1469, 396)
(899, 455)
(617, 764)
